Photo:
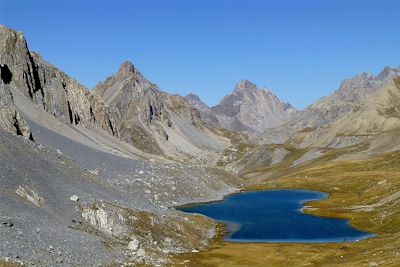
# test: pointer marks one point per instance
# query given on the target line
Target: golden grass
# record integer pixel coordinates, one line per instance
(362, 191)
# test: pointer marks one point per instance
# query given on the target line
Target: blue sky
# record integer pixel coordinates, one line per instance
(301, 50)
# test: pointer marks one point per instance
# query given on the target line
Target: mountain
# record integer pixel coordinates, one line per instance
(348, 96)
(376, 119)
(251, 109)
(47, 87)
(154, 121)
(196, 102)
(247, 108)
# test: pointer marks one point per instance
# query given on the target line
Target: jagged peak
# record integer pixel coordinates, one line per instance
(388, 72)
(288, 106)
(193, 96)
(245, 85)
(268, 92)
(5, 29)
(11, 39)
(127, 68)
(195, 99)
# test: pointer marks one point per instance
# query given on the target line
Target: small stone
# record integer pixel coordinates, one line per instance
(20, 233)
(9, 224)
(74, 198)
(194, 251)
(141, 172)
(134, 245)
(141, 253)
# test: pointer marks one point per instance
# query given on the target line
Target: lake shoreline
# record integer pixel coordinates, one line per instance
(309, 196)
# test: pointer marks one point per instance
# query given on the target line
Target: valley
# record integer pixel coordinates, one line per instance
(93, 176)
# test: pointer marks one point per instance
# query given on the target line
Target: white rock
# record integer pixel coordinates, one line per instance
(141, 253)
(134, 245)
(194, 251)
(141, 172)
(74, 198)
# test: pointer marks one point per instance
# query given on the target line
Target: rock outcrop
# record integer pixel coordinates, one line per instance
(10, 118)
(47, 87)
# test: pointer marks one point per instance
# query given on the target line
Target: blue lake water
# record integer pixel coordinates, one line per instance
(276, 216)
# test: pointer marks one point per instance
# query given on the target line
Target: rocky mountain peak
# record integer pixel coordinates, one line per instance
(126, 68)
(251, 109)
(388, 72)
(245, 86)
(195, 101)
(287, 106)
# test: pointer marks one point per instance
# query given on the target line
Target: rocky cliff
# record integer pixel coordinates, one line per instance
(10, 118)
(47, 87)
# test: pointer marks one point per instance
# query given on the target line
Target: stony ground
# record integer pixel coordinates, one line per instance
(104, 210)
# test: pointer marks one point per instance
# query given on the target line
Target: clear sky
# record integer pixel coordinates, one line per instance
(301, 50)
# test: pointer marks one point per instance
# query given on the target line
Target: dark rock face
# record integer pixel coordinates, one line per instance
(48, 87)
(6, 75)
